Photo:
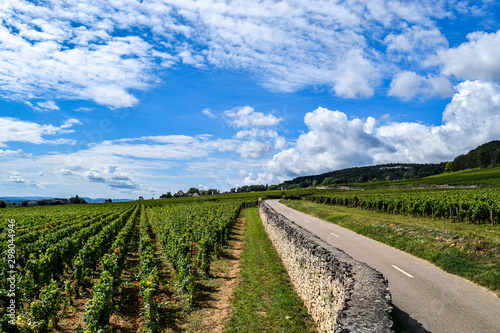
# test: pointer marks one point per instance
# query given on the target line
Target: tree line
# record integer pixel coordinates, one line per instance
(484, 156)
(383, 172)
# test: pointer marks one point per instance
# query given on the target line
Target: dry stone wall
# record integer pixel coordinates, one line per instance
(340, 293)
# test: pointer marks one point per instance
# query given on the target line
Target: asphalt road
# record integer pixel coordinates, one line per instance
(427, 298)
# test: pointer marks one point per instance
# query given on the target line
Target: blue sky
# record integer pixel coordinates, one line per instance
(134, 98)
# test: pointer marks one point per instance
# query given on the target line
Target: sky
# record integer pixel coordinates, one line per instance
(129, 98)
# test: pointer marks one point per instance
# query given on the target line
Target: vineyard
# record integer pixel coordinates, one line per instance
(59, 253)
(76, 261)
(475, 205)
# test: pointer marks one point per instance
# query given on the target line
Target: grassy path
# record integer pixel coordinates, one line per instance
(265, 300)
(467, 250)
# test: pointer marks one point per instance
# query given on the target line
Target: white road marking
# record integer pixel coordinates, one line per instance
(334, 234)
(399, 269)
(307, 221)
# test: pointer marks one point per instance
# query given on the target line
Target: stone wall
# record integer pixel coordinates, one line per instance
(340, 293)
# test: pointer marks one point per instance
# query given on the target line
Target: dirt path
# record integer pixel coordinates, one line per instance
(213, 305)
(226, 271)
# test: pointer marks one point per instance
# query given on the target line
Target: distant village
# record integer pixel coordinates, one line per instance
(56, 201)
(192, 192)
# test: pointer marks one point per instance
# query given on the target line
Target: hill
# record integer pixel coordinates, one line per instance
(484, 177)
(383, 172)
(415, 174)
(484, 156)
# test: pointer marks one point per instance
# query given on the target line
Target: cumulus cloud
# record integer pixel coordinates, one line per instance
(333, 141)
(407, 85)
(356, 76)
(113, 96)
(476, 59)
(15, 130)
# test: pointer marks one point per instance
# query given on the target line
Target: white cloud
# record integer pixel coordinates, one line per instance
(407, 85)
(104, 51)
(14, 177)
(476, 59)
(280, 143)
(256, 133)
(207, 112)
(15, 130)
(190, 59)
(253, 149)
(112, 96)
(246, 116)
(356, 76)
(43, 106)
(415, 43)
(113, 177)
(83, 109)
(15, 153)
(66, 50)
(334, 142)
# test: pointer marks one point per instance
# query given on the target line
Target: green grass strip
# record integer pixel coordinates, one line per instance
(470, 251)
(265, 300)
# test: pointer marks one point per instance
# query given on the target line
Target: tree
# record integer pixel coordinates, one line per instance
(449, 167)
(212, 191)
(166, 196)
(3, 204)
(77, 200)
(193, 190)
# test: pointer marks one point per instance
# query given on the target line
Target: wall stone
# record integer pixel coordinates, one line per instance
(340, 293)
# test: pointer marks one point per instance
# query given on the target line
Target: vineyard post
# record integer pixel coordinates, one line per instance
(491, 216)
(152, 307)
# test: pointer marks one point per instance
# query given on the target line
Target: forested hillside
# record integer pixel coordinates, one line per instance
(484, 156)
(394, 171)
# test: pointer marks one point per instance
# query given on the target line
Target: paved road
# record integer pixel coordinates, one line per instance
(428, 299)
